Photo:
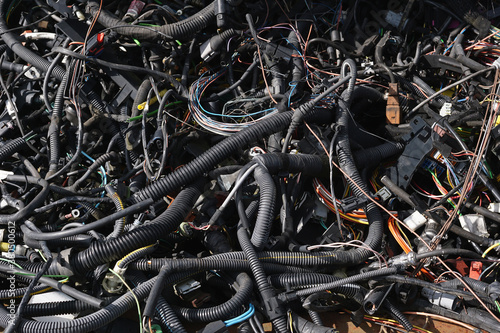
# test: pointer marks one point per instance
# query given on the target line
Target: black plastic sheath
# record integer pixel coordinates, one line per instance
(168, 221)
(70, 291)
(91, 226)
(35, 202)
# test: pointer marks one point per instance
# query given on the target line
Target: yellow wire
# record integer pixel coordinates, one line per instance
(395, 322)
(142, 248)
(135, 297)
(402, 233)
(490, 248)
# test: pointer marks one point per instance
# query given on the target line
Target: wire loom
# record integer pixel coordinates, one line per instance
(234, 163)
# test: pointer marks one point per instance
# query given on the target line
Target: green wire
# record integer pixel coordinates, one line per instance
(11, 262)
(135, 297)
(29, 138)
(158, 2)
(323, 224)
(149, 114)
(498, 305)
(50, 276)
(449, 200)
(148, 25)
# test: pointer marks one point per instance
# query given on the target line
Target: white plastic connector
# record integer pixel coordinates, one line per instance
(11, 110)
(474, 223)
(415, 220)
(494, 207)
(4, 174)
(445, 110)
(447, 301)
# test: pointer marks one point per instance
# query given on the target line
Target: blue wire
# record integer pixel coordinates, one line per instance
(103, 172)
(241, 318)
(463, 30)
(293, 85)
(103, 175)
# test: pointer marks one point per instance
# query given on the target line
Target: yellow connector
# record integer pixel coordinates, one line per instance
(151, 101)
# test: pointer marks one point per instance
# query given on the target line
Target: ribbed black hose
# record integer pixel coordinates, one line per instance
(398, 315)
(346, 163)
(265, 289)
(55, 308)
(225, 310)
(24, 53)
(265, 215)
(206, 161)
(179, 30)
(168, 221)
(12, 147)
(55, 124)
(368, 158)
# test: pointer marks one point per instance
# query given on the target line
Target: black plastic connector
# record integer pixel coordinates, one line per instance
(352, 203)
(215, 327)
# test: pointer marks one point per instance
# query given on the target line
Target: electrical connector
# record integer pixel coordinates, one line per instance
(415, 220)
(444, 300)
(445, 109)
